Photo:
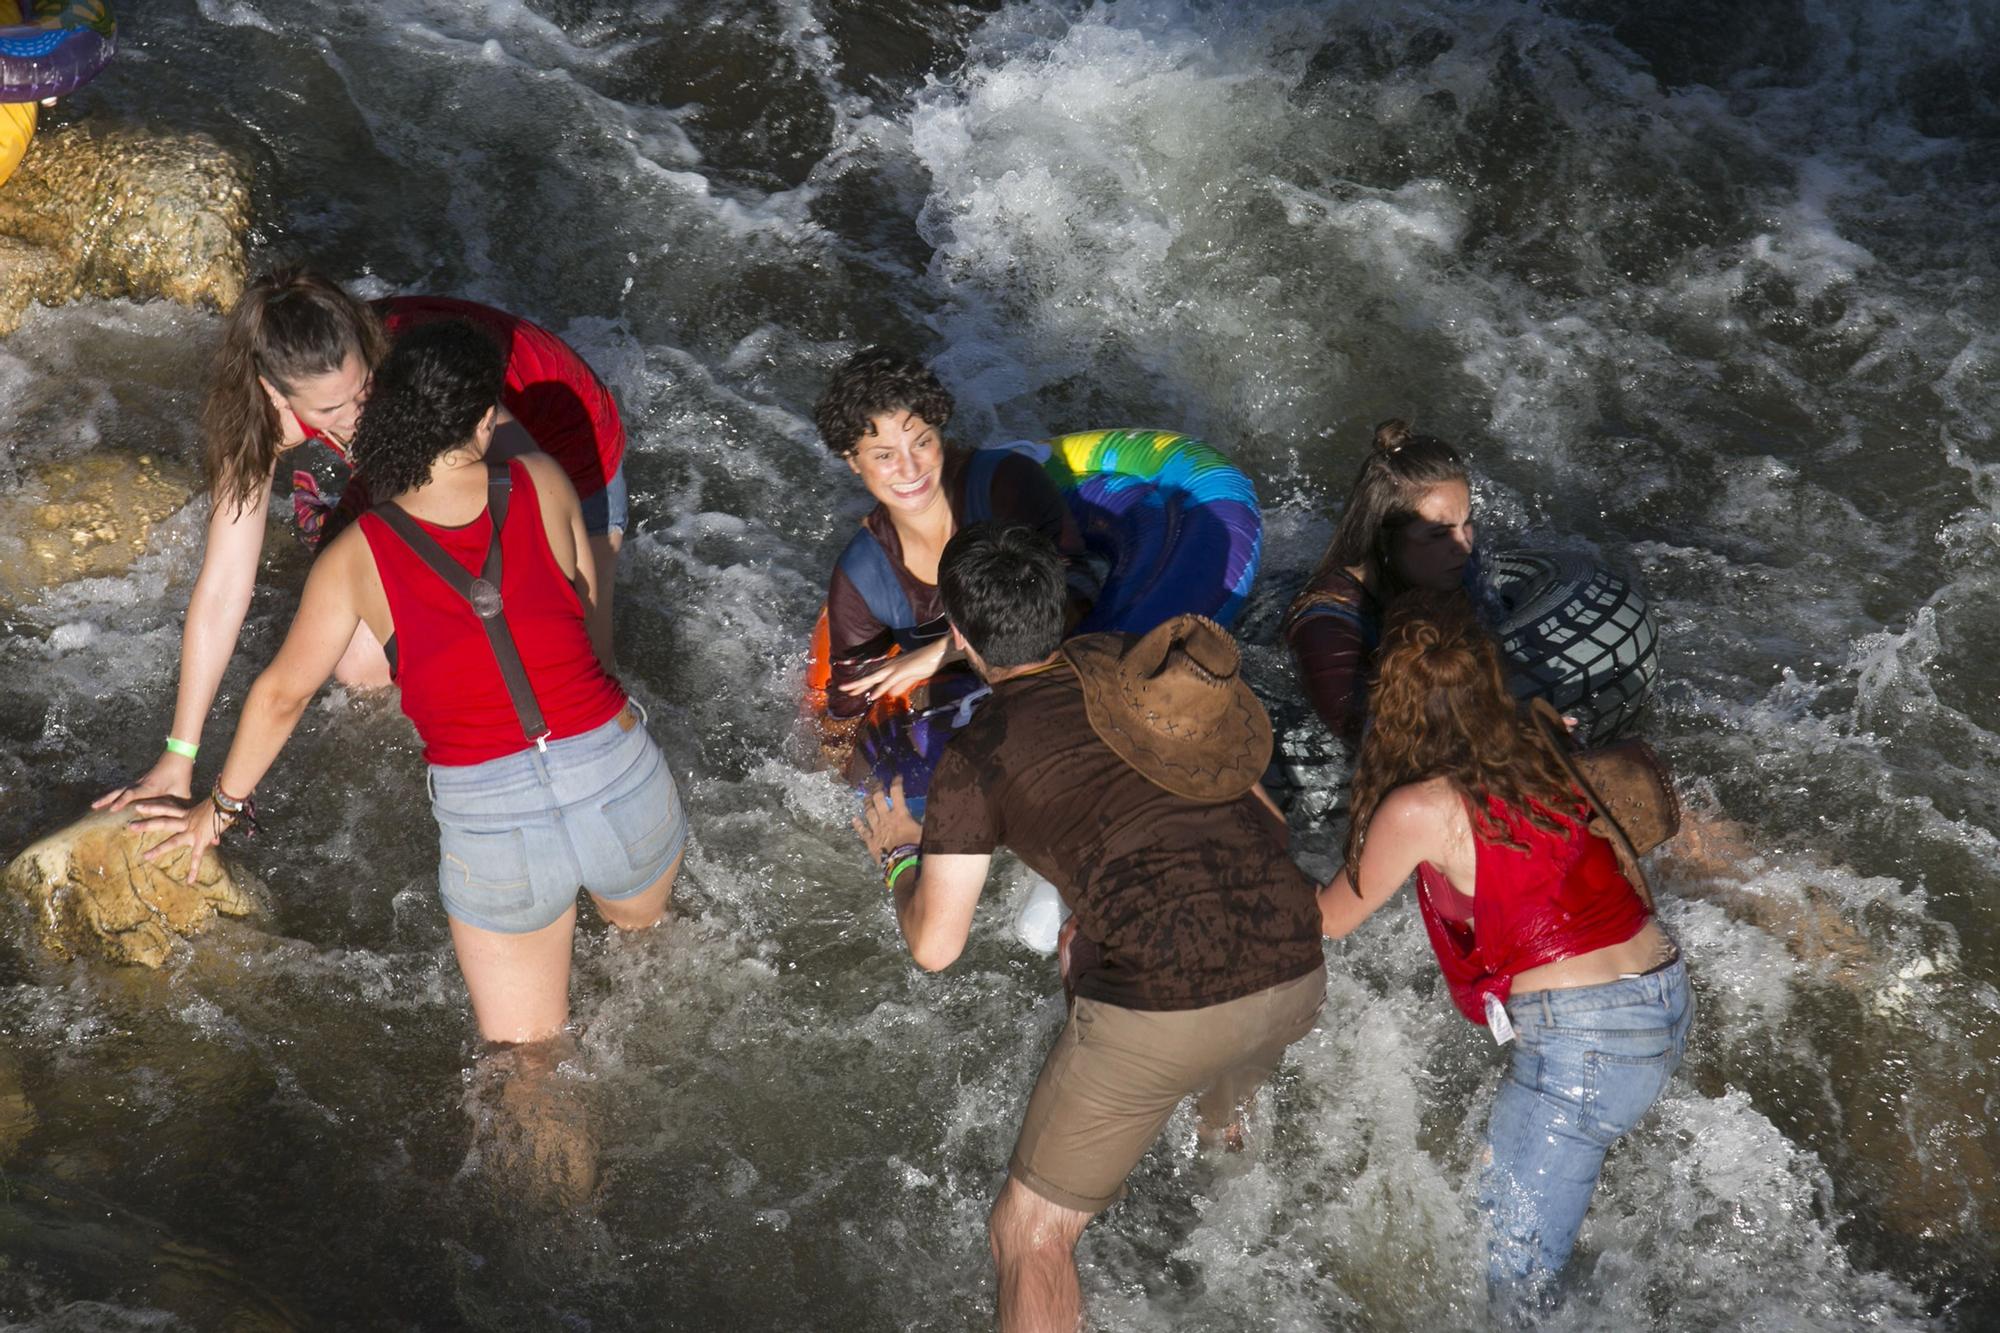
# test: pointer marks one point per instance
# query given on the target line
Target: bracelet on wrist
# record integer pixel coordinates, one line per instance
(185, 749)
(895, 871)
(897, 853)
(229, 811)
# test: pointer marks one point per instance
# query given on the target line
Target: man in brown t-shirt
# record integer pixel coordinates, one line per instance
(1124, 770)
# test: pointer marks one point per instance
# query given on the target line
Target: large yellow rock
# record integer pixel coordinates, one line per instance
(124, 211)
(92, 892)
(84, 517)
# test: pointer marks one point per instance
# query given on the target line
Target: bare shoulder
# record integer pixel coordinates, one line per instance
(1429, 807)
(346, 552)
(551, 482)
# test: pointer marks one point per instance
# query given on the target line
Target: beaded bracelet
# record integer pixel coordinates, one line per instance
(228, 810)
(896, 860)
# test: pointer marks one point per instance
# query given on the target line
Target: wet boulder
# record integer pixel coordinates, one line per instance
(91, 892)
(123, 211)
(84, 517)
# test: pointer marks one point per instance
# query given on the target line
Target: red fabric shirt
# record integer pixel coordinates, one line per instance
(451, 685)
(1562, 897)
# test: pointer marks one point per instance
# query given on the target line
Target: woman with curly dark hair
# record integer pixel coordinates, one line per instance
(293, 367)
(476, 578)
(884, 414)
(1540, 935)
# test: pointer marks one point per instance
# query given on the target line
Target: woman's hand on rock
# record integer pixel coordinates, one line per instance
(191, 826)
(171, 775)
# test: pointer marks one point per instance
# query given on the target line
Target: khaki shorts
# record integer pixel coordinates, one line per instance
(1116, 1074)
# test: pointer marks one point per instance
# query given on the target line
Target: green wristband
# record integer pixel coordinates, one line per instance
(185, 749)
(896, 871)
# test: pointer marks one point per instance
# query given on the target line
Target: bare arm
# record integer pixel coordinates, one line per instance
(934, 907)
(327, 616)
(1406, 830)
(934, 902)
(215, 614)
(562, 524)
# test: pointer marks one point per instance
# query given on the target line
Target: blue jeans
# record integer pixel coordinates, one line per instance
(1588, 1064)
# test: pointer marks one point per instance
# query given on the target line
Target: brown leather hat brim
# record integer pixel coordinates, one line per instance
(1218, 767)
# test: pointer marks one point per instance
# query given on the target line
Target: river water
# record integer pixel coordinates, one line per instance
(1707, 290)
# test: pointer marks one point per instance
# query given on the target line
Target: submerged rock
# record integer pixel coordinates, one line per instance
(17, 1113)
(92, 892)
(123, 211)
(86, 517)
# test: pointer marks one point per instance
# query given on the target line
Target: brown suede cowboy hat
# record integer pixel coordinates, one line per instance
(1172, 704)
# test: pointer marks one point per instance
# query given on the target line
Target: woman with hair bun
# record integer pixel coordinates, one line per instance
(294, 365)
(1408, 524)
(475, 575)
(1540, 935)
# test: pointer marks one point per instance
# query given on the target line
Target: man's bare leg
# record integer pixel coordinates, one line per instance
(1034, 1248)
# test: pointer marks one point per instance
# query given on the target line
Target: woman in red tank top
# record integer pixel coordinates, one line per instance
(1539, 934)
(294, 365)
(478, 577)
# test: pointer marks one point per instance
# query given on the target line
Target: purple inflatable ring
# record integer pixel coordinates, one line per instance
(60, 49)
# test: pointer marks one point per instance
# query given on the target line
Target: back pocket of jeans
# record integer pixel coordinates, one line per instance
(648, 820)
(486, 872)
(1620, 1089)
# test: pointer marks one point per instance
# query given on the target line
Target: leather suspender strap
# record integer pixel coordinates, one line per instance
(483, 593)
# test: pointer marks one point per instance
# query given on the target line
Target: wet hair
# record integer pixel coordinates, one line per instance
(291, 325)
(873, 381)
(1402, 467)
(428, 399)
(1441, 707)
(1003, 589)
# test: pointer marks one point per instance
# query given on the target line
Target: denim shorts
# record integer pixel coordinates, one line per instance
(1589, 1062)
(519, 835)
(607, 510)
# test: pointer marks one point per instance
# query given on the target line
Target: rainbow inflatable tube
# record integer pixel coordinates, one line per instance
(1171, 522)
(58, 47)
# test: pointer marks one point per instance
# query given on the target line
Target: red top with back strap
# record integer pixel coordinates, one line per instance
(451, 685)
(1562, 896)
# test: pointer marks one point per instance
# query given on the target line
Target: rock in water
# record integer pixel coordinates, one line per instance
(17, 1113)
(123, 211)
(85, 517)
(92, 893)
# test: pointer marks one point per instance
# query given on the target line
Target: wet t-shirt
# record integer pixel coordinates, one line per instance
(1191, 904)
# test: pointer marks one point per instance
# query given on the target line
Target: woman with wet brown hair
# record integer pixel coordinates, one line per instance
(1540, 935)
(1407, 524)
